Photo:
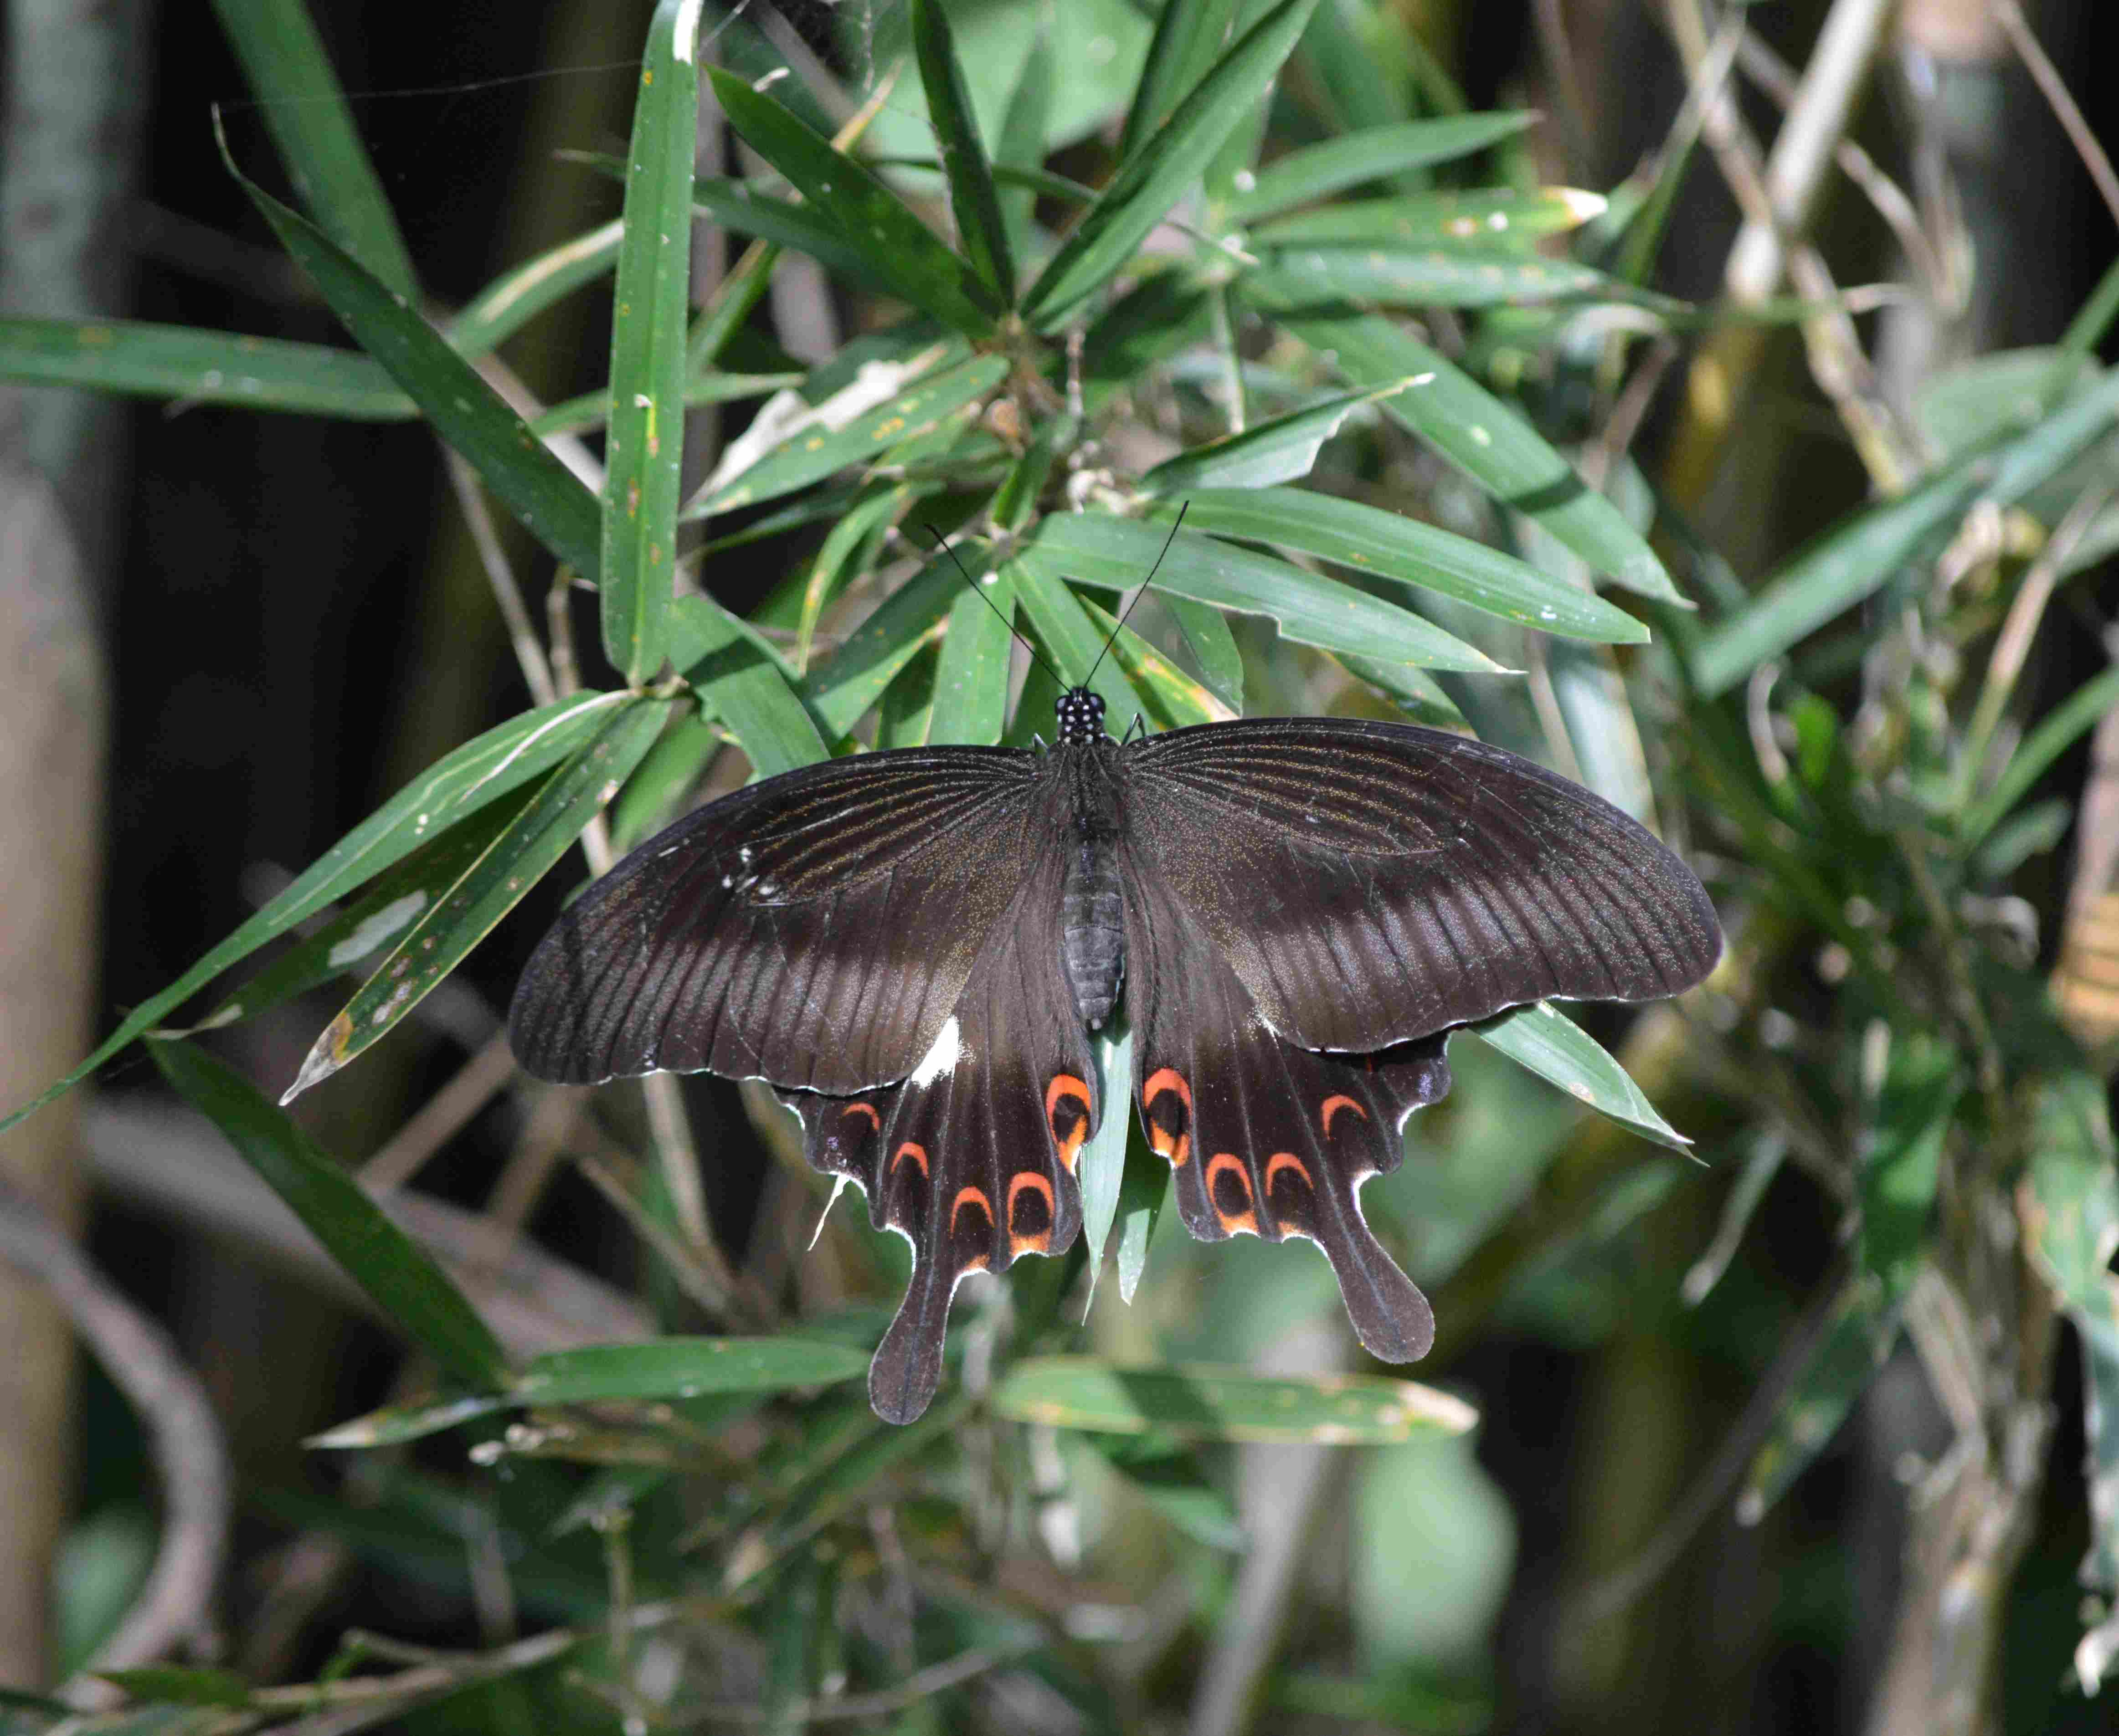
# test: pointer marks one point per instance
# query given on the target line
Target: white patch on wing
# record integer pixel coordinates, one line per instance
(838, 1187)
(946, 1054)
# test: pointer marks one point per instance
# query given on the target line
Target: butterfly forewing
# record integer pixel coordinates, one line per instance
(1371, 883)
(814, 930)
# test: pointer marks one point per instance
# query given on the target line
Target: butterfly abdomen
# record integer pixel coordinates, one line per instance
(1092, 908)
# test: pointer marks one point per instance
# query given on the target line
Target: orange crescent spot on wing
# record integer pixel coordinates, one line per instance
(1176, 1147)
(976, 1196)
(875, 1121)
(1325, 1115)
(1035, 1241)
(1235, 1223)
(913, 1149)
(1166, 1079)
(1280, 1160)
(1064, 1086)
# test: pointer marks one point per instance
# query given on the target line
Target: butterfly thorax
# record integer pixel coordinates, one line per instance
(1092, 913)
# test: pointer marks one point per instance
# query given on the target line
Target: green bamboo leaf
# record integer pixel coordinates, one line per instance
(1901, 1160)
(1214, 648)
(1143, 1193)
(1201, 1403)
(1544, 1040)
(491, 887)
(1278, 450)
(376, 1254)
(1023, 131)
(1852, 562)
(814, 452)
(304, 108)
(661, 1368)
(200, 367)
(391, 905)
(592, 410)
(1176, 1484)
(512, 300)
(2069, 1204)
(502, 760)
(850, 549)
(1072, 642)
(672, 770)
(1150, 322)
(1017, 498)
(1858, 1336)
(1485, 217)
(1156, 174)
(922, 270)
(164, 1684)
(906, 709)
(1371, 154)
(465, 411)
(1412, 691)
(1490, 442)
(1112, 553)
(881, 646)
(1365, 59)
(1101, 1165)
(1188, 35)
(1368, 539)
(1177, 697)
(738, 205)
(644, 436)
(1329, 276)
(980, 229)
(971, 679)
(2055, 734)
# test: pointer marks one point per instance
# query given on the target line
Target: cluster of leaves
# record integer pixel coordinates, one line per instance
(1048, 392)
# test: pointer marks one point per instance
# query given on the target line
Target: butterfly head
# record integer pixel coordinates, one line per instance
(1081, 716)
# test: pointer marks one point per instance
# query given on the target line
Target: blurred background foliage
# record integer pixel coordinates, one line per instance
(1706, 400)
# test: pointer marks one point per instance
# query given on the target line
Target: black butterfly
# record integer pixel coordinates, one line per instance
(913, 947)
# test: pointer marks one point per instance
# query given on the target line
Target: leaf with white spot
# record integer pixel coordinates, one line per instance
(1544, 1040)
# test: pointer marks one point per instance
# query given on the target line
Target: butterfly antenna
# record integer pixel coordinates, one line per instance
(1137, 595)
(941, 543)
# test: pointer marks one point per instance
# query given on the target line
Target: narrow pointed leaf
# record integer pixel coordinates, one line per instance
(881, 646)
(1331, 275)
(922, 270)
(1490, 443)
(980, 231)
(1488, 217)
(1023, 130)
(1279, 450)
(815, 451)
(970, 680)
(1546, 1041)
(465, 411)
(165, 1684)
(1177, 697)
(1901, 1161)
(2069, 1204)
(741, 686)
(390, 905)
(644, 437)
(1073, 643)
(1101, 1166)
(1371, 154)
(1189, 38)
(1413, 691)
(304, 108)
(1201, 1403)
(1852, 562)
(196, 367)
(1111, 553)
(491, 887)
(1368, 539)
(380, 1257)
(1143, 1193)
(1857, 1335)
(1214, 648)
(738, 205)
(502, 759)
(1157, 173)
(512, 300)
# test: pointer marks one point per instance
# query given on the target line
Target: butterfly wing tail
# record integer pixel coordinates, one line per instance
(1267, 1138)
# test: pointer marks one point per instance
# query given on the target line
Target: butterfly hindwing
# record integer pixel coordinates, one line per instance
(1265, 1137)
(1371, 883)
(972, 1159)
(814, 930)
